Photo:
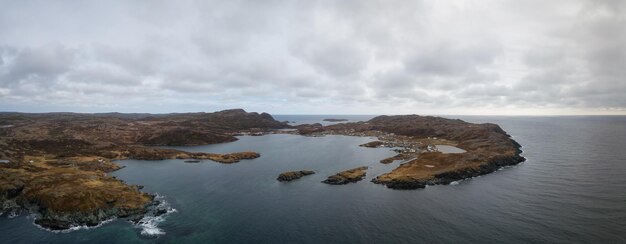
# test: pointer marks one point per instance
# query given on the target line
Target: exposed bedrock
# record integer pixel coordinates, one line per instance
(348, 176)
(293, 175)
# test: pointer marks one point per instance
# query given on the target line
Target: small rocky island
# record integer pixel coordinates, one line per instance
(345, 177)
(294, 175)
(335, 120)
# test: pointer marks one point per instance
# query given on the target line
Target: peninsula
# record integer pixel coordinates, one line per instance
(486, 148)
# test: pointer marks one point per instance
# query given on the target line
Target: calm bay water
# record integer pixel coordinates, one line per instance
(571, 189)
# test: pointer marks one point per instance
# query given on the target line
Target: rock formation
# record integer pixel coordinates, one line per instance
(345, 177)
(293, 175)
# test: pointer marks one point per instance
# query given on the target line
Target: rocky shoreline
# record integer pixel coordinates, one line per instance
(446, 178)
(65, 194)
(67, 197)
(58, 162)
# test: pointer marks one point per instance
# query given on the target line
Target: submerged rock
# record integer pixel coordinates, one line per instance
(348, 176)
(294, 175)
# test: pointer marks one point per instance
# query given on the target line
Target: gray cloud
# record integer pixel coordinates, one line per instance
(315, 56)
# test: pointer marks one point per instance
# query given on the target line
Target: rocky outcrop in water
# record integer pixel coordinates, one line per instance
(348, 176)
(293, 175)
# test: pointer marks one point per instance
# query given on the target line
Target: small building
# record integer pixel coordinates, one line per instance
(431, 148)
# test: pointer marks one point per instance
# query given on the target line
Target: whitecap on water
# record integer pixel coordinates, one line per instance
(149, 224)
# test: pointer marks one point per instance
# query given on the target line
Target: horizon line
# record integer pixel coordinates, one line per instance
(331, 114)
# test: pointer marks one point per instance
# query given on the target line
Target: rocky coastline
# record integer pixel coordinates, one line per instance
(58, 162)
(448, 177)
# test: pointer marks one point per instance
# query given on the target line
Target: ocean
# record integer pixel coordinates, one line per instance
(571, 189)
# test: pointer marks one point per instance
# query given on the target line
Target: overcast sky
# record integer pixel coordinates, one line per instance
(315, 57)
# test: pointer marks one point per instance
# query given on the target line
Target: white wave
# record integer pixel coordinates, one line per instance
(454, 183)
(149, 224)
(75, 227)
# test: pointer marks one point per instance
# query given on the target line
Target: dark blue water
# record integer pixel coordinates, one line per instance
(572, 189)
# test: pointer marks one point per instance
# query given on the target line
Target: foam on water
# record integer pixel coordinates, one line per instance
(74, 227)
(149, 224)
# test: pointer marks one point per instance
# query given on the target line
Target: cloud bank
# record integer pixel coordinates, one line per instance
(315, 57)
